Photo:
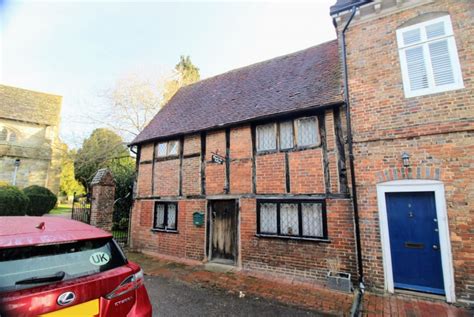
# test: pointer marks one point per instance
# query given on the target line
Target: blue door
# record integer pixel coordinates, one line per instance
(414, 242)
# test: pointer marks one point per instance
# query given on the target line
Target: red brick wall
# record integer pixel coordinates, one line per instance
(215, 173)
(192, 176)
(271, 173)
(146, 152)
(301, 259)
(166, 178)
(436, 130)
(192, 144)
(306, 171)
(241, 160)
(144, 179)
(187, 243)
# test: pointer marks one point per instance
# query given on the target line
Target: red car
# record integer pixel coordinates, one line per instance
(50, 266)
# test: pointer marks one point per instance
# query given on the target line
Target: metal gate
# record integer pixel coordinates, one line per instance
(121, 219)
(81, 208)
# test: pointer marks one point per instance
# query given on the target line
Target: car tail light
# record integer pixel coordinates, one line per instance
(129, 284)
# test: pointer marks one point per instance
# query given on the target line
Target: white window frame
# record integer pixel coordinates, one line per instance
(453, 53)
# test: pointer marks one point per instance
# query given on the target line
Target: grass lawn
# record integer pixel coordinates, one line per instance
(61, 209)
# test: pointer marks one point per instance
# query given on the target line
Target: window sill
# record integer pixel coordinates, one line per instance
(164, 230)
(261, 235)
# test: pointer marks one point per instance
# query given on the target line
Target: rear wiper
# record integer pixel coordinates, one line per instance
(58, 276)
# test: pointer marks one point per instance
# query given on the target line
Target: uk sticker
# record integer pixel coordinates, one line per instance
(99, 258)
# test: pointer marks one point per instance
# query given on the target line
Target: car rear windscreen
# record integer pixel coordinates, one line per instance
(30, 266)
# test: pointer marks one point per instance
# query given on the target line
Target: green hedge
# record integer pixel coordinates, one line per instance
(13, 202)
(41, 200)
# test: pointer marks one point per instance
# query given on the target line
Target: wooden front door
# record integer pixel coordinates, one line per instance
(223, 231)
(414, 242)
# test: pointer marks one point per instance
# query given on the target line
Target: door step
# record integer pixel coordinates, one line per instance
(220, 267)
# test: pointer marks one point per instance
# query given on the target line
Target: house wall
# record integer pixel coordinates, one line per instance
(34, 118)
(436, 130)
(193, 179)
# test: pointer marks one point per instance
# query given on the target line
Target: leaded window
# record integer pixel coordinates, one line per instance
(307, 132)
(266, 137)
(166, 216)
(286, 135)
(268, 218)
(281, 136)
(312, 215)
(169, 148)
(292, 219)
(289, 219)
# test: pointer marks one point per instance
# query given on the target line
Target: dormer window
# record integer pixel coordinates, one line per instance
(429, 58)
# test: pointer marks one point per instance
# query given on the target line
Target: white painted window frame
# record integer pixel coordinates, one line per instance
(453, 52)
(400, 186)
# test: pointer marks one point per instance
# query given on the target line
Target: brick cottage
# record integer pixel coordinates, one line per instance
(256, 167)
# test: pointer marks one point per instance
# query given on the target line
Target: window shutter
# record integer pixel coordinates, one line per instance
(441, 63)
(411, 37)
(416, 67)
(435, 30)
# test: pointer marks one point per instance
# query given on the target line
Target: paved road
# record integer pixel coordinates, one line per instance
(175, 298)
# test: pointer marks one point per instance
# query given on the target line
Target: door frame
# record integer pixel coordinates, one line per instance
(417, 185)
(209, 228)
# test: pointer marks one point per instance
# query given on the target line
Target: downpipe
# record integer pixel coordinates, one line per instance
(359, 292)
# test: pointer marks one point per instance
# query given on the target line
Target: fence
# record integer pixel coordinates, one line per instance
(81, 208)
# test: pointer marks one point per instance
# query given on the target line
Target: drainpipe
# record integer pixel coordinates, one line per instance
(360, 291)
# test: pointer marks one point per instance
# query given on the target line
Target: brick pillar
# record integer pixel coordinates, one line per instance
(103, 196)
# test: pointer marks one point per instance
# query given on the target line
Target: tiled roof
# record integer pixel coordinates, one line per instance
(301, 80)
(27, 105)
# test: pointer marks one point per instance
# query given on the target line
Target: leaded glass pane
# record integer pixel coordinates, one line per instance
(160, 215)
(171, 216)
(308, 132)
(173, 148)
(286, 135)
(268, 218)
(161, 149)
(289, 219)
(266, 137)
(312, 220)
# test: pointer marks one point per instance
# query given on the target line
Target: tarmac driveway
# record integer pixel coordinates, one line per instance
(171, 297)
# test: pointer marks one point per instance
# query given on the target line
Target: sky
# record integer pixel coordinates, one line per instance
(77, 49)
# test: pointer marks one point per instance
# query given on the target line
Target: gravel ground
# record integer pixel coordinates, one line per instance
(171, 297)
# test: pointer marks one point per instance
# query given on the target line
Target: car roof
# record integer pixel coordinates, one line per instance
(26, 230)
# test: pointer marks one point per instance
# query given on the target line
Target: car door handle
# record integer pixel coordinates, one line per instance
(435, 247)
